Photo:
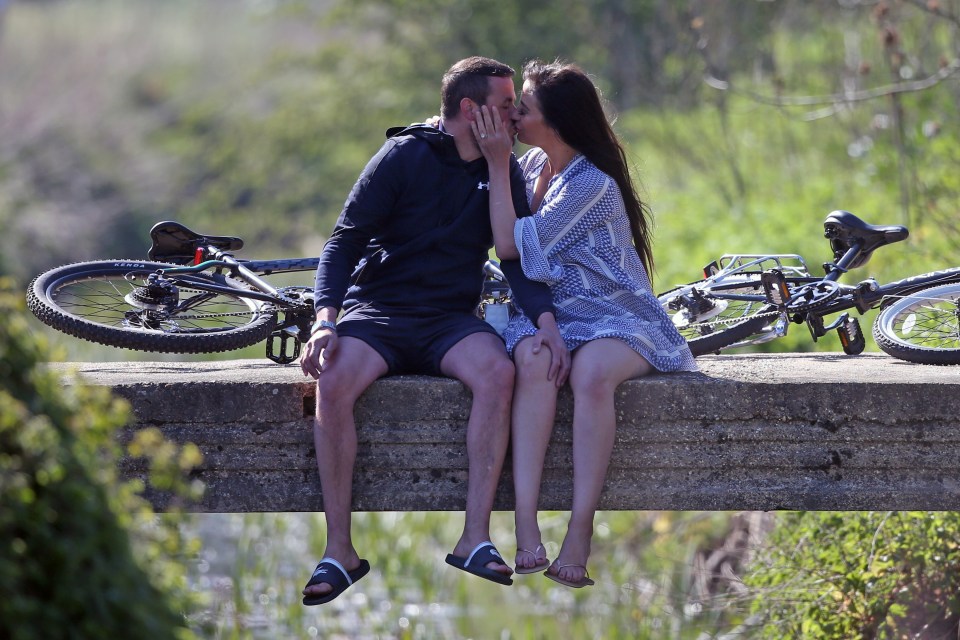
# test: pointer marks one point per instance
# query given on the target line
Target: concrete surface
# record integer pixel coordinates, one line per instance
(758, 432)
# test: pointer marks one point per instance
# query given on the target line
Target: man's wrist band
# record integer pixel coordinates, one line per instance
(323, 324)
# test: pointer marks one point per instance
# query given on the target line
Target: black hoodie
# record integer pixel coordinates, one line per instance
(415, 231)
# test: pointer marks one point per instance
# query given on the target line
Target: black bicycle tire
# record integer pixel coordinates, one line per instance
(891, 343)
(44, 306)
(716, 341)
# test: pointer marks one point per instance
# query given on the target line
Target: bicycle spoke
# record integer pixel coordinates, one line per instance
(133, 305)
(104, 300)
(929, 325)
(734, 312)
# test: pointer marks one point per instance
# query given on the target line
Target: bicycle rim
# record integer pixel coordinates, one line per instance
(99, 302)
(923, 326)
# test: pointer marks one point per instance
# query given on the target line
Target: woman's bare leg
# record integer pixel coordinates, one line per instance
(598, 369)
(534, 410)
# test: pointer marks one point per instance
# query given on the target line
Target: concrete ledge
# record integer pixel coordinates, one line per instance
(759, 432)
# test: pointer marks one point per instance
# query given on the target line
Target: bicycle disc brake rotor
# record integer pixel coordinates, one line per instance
(812, 296)
(698, 311)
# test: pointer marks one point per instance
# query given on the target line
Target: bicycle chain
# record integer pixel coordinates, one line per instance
(224, 314)
(732, 321)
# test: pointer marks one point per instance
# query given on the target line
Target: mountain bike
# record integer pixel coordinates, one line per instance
(746, 299)
(192, 295)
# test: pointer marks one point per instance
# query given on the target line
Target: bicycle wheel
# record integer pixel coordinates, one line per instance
(923, 326)
(711, 321)
(112, 303)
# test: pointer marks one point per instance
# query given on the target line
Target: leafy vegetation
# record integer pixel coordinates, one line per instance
(256, 122)
(83, 555)
(860, 575)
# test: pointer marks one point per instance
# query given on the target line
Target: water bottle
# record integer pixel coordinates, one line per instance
(497, 314)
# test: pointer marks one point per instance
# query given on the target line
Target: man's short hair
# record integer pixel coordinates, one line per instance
(469, 79)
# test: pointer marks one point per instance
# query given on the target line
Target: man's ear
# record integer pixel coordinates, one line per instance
(468, 109)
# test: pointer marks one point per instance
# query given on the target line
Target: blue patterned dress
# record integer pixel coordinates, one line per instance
(579, 242)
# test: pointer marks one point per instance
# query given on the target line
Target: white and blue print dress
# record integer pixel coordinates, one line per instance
(579, 242)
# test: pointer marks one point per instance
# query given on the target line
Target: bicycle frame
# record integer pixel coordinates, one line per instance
(790, 273)
(298, 314)
(247, 270)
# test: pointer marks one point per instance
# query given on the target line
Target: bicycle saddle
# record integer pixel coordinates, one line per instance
(844, 229)
(173, 242)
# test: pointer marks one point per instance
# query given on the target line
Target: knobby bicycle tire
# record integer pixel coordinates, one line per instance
(725, 329)
(91, 300)
(923, 326)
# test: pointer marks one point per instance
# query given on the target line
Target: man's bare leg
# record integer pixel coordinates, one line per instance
(345, 377)
(480, 362)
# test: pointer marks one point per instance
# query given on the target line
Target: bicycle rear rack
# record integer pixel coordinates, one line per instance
(790, 265)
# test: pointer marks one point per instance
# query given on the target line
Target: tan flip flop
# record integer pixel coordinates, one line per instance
(586, 582)
(538, 567)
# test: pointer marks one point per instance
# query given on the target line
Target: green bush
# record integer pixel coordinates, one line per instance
(867, 575)
(81, 554)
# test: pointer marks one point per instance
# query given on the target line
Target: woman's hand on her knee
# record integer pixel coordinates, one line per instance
(548, 335)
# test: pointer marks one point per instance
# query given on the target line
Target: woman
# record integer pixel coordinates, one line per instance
(588, 238)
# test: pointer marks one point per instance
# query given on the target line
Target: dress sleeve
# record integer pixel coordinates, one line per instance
(580, 204)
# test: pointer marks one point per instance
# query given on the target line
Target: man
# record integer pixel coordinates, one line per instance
(405, 264)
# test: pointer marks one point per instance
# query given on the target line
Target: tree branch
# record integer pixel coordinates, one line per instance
(935, 9)
(839, 98)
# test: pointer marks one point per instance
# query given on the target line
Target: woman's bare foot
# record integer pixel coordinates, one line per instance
(531, 560)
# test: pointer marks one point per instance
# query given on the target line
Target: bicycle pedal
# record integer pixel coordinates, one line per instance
(775, 287)
(283, 356)
(851, 337)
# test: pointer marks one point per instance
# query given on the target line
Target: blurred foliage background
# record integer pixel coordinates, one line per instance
(748, 121)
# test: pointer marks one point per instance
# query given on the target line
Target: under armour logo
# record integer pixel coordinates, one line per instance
(483, 185)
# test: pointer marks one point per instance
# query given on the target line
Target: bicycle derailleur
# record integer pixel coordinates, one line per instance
(153, 302)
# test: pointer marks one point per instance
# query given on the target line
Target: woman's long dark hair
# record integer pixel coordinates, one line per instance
(571, 105)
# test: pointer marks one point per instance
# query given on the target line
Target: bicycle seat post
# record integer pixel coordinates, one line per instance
(836, 269)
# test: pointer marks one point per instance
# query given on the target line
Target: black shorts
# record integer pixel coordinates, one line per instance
(411, 341)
